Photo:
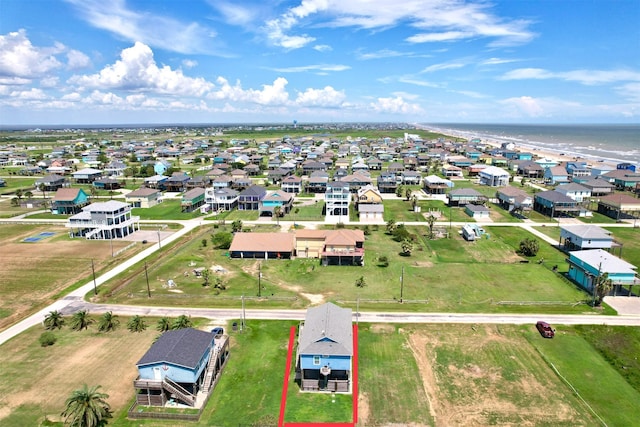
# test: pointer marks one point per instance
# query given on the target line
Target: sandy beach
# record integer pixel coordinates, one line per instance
(539, 153)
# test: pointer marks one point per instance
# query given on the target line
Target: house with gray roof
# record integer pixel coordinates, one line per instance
(325, 349)
(555, 204)
(582, 237)
(586, 266)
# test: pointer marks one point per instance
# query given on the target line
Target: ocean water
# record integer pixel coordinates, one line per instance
(613, 143)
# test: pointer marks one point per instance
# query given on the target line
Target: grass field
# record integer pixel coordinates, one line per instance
(33, 274)
(168, 209)
(440, 275)
(421, 375)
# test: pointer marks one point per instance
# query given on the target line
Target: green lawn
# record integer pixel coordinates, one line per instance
(15, 183)
(168, 209)
(599, 384)
(440, 275)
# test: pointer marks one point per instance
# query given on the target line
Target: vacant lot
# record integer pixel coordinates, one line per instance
(37, 381)
(440, 275)
(34, 273)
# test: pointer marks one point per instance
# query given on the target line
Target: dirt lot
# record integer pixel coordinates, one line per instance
(32, 273)
(480, 377)
(85, 358)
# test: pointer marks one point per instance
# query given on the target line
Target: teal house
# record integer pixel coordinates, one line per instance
(586, 265)
(69, 201)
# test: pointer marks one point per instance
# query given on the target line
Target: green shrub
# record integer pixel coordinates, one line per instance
(47, 338)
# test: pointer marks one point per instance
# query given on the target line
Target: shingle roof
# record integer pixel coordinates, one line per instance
(327, 330)
(183, 347)
(66, 194)
(262, 242)
(142, 192)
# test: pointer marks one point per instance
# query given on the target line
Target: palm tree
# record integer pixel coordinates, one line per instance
(181, 322)
(81, 320)
(42, 188)
(164, 324)
(108, 322)
(53, 320)
(431, 219)
(136, 324)
(28, 194)
(407, 193)
(277, 212)
(603, 285)
(87, 407)
(19, 194)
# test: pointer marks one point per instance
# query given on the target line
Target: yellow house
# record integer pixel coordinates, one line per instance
(309, 243)
(369, 194)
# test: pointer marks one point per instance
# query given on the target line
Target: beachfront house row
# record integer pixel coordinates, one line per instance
(103, 221)
(325, 349)
(582, 237)
(586, 266)
(181, 367)
(494, 177)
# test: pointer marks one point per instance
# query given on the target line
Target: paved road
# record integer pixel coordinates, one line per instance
(373, 317)
(74, 300)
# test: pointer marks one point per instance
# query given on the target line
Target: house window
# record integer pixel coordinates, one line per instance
(316, 360)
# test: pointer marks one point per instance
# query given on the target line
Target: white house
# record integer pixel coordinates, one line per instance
(104, 221)
(494, 176)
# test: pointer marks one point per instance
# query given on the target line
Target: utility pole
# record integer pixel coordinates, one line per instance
(159, 244)
(93, 270)
(401, 283)
(259, 277)
(242, 320)
(146, 275)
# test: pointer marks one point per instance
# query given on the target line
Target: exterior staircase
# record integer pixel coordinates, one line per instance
(181, 393)
(211, 370)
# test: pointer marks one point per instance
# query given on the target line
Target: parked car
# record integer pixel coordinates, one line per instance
(545, 329)
(217, 331)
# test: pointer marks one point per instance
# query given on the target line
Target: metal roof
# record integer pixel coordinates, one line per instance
(327, 331)
(183, 347)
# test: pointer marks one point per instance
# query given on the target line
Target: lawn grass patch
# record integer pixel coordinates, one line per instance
(599, 384)
(168, 209)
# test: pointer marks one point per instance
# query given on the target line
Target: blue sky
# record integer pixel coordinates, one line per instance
(257, 61)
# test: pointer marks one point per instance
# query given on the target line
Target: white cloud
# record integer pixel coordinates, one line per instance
(395, 105)
(159, 31)
(49, 82)
(323, 48)
(443, 66)
(497, 61)
(585, 77)
(318, 67)
(136, 70)
(446, 36)
(274, 94)
(31, 94)
(384, 53)
(235, 14)
(77, 60)
(20, 59)
(327, 97)
(435, 20)
(74, 96)
(189, 63)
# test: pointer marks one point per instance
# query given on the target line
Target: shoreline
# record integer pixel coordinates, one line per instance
(560, 156)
